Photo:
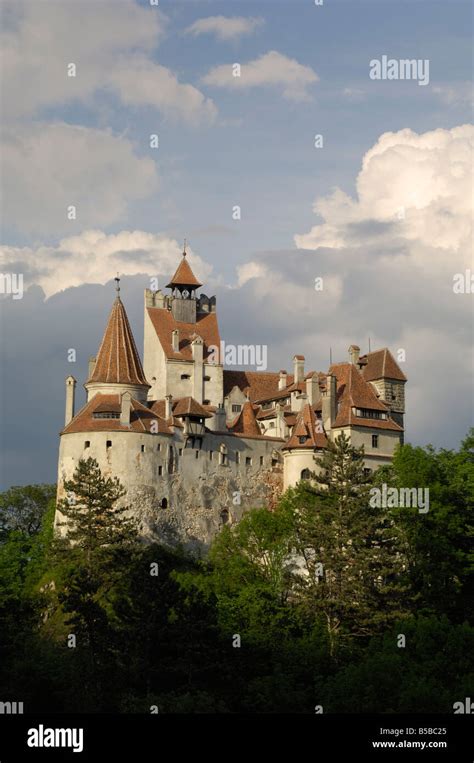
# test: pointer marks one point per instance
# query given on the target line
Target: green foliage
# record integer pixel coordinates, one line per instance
(170, 639)
(22, 509)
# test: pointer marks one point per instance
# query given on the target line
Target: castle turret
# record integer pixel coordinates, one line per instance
(117, 368)
(183, 285)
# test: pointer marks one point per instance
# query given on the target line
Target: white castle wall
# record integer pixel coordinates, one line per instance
(197, 491)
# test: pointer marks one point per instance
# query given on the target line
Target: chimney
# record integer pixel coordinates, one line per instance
(175, 340)
(218, 421)
(298, 368)
(354, 353)
(283, 380)
(70, 397)
(280, 430)
(168, 406)
(92, 360)
(197, 349)
(297, 401)
(312, 389)
(125, 408)
(329, 403)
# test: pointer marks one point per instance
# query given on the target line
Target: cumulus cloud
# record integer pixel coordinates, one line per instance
(271, 69)
(387, 260)
(94, 257)
(39, 40)
(224, 27)
(47, 168)
(412, 188)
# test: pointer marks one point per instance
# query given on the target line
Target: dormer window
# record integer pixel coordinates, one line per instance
(302, 439)
(106, 415)
(236, 408)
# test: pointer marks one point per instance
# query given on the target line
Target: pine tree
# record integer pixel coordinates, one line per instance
(94, 522)
(352, 559)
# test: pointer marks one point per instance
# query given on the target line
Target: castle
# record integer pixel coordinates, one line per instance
(196, 444)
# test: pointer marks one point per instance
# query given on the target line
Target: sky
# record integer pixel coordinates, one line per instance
(124, 131)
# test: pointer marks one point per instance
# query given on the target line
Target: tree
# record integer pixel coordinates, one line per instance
(350, 560)
(22, 508)
(95, 523)
(439, 553)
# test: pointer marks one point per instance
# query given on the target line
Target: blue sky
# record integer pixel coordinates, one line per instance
(222, 146)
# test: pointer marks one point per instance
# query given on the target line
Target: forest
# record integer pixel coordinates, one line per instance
(326, 603)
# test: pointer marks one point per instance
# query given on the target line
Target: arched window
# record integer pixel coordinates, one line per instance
(164, 503)
(306, 474)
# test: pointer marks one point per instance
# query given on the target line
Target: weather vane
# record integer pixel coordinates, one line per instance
(184, 248)
(117, 284)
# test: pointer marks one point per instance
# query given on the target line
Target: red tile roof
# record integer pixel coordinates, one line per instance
(246, 423)
(381, 364)
(184, 276)
(206, 327)
(257, 385)
(141, 417)
(306, 427)
(353, 391)
(188, 406)
(118, 361)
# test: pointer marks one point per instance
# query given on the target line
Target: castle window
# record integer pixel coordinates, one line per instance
(224, 516)
(87, 444)
(197, 454)
(185, 376)
(211, 453)
(142, 448)
(160, 471)
(180, 451)
(207, 378)
(248, 461)
(158, 447)
(206, 402)
(367, 472)
(306, 474)
(164, 503)
(236, 408)
(223, 459)
(375, 441)
(261, 460)
(274, 462)
(108, 444)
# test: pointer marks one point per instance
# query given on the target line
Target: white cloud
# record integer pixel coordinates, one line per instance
(455, 94)
(225, 27)
(420, 186)
(95, 257)
(271, 69)
(40, 39)
(47, 168)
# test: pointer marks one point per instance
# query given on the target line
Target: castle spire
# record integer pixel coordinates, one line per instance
(118, 361)
(184, 278)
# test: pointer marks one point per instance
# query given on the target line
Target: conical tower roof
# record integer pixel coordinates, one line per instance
(184, 276)
(118, 361)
